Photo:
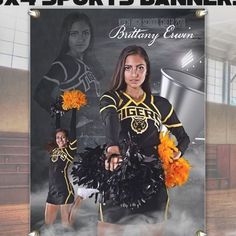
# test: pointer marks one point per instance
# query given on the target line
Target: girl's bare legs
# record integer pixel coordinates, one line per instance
(50, 213)
(65, 212)
(73, 210)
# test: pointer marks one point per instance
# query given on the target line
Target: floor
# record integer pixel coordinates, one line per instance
(221, 212)
(14, 220)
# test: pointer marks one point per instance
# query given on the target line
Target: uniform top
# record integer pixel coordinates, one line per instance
(141, 120)
(60, 160)
(72, 73)
(66, 153)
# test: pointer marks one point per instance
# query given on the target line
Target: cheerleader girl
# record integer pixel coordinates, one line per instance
(61, 193)
(130, 112)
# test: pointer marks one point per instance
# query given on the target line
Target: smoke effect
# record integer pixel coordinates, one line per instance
(85, 218)
(186, 209)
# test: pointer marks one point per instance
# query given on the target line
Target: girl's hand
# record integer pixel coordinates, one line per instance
(177, 155)
(113, 163)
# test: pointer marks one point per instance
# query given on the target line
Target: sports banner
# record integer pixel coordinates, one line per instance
(78, 50)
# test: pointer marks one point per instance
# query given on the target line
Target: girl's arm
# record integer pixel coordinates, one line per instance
(108, 111)
(72, 134)
(171, 121)
(176, 128)
(73, 125)
(48, 89)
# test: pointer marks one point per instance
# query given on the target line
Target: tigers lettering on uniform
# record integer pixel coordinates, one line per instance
(131, 111)
(140, 116)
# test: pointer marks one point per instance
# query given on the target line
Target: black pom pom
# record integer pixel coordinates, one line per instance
(130, 185)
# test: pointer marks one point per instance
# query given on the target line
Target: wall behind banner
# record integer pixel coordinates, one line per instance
(14, 100)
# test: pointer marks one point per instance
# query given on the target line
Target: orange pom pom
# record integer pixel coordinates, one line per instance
(176, 171)
(73, 99)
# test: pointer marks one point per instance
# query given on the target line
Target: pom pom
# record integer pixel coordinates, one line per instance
(176, 171)
(89, 171)
(73, 99)
(130, 185)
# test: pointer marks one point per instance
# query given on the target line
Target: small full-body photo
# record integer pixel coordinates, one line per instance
(61, 192)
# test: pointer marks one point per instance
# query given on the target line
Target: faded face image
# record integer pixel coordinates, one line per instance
(79, 38)
(135, 71)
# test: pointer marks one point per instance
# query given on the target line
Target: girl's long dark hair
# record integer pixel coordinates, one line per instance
(118, 80)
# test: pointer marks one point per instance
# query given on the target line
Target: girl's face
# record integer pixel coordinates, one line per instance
(79, 37)
(135, 71)
(61, 139)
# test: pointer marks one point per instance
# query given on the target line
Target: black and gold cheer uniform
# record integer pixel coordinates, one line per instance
(60, 189)
(142, 121)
